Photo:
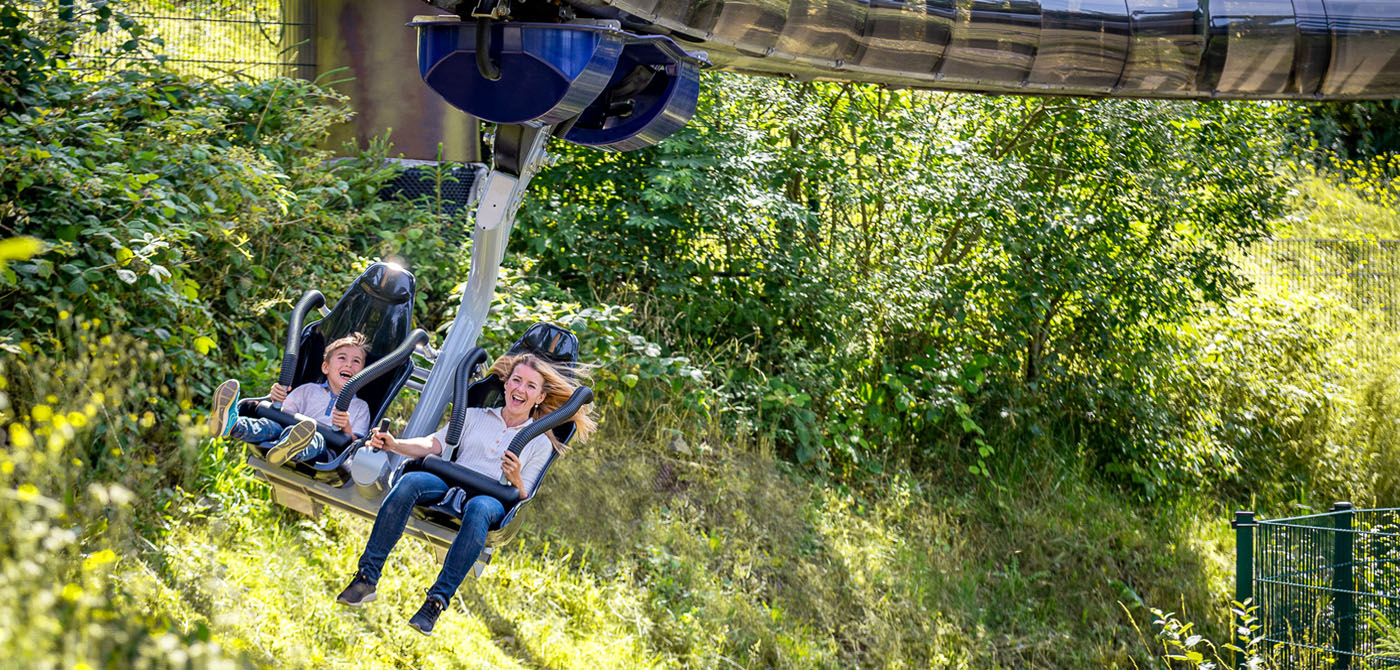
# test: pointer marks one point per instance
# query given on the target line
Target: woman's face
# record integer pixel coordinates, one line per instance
(524, 389)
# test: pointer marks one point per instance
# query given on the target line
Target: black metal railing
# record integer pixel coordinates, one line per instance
(1326, 588)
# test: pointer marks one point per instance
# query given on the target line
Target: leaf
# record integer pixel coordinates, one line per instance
(204, 344)
(969, 426)
(126, 275)
(19, 248)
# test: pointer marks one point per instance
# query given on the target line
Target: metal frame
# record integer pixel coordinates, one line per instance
(1190, 49)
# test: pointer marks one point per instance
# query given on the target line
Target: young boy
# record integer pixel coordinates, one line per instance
(300, 442)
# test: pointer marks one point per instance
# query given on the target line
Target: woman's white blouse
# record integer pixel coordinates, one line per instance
(485, 439)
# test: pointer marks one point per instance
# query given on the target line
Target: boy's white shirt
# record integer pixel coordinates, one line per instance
(315, 400)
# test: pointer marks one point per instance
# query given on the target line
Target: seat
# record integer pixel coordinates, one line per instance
(378, 304)
(440, 522)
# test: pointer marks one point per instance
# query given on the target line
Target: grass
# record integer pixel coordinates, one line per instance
(641, 556)
(644, 552)
(1350, 201)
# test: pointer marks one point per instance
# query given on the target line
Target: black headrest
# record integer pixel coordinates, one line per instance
(387, 282)
(553, 343)
(379, 304)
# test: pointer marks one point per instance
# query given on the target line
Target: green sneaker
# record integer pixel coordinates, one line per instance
(296, 441)
(225, 409)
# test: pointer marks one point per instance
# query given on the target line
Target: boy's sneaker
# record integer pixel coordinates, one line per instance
(427, 615)
(359, 592)
(296, 441)
(225, 409)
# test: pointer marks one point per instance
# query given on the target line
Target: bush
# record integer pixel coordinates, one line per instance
(881, 296)
(93, 451)
(1278, 397)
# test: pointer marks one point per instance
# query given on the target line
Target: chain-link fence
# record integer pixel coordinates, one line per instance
(1357, 282)
(257, 39)
(445, 189)
(1363, 274)
(1326, 588)
(209, 38)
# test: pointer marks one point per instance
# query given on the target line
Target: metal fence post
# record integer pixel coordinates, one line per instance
(1244, 579)
(1343, 586)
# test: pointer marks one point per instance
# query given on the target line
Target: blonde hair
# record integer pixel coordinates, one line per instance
(357, 340)
(557, 390)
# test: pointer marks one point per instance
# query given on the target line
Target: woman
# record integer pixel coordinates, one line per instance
(533, 388)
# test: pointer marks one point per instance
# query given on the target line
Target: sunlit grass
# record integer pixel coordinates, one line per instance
(638, 555)
(643, 552)
(639, 558)
(1350, 200)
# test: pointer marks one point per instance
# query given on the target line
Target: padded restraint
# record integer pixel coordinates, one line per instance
(546, 340)
(378, 304)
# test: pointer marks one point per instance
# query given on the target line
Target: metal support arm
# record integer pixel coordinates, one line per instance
(518, 153)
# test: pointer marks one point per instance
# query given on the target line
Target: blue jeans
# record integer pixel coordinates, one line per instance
(267, 433)
(422, 488)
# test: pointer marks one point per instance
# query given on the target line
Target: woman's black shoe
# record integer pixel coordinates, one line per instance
(359, 592)
(427, 615)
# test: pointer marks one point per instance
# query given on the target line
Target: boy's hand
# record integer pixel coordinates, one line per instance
(278, 393)
(341, 420)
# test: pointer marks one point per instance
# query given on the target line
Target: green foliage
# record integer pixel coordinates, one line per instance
(1357, 129)
(1259, 396)
(633, 380)
(892, 274)
(1179, 645)
(1280, 396)
(1345, 199)
(87, 472)
(185, 212)
(962, 314)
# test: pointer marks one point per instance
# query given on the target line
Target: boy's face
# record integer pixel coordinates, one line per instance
(341, 365)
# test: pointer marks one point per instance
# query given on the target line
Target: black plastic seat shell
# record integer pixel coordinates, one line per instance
(378, 304)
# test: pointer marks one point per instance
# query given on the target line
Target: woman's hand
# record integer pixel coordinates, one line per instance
(278, 393)
(382, 440)
(412, 447)
(510, 465)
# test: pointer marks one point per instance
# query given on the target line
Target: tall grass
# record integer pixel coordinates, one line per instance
(1344, 199)
(94, 446)
(638, 556)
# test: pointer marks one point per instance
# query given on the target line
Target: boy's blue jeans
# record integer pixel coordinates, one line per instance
(422, 488)
(266, 433)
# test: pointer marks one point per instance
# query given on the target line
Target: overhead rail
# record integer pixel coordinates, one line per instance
(1247, 49)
